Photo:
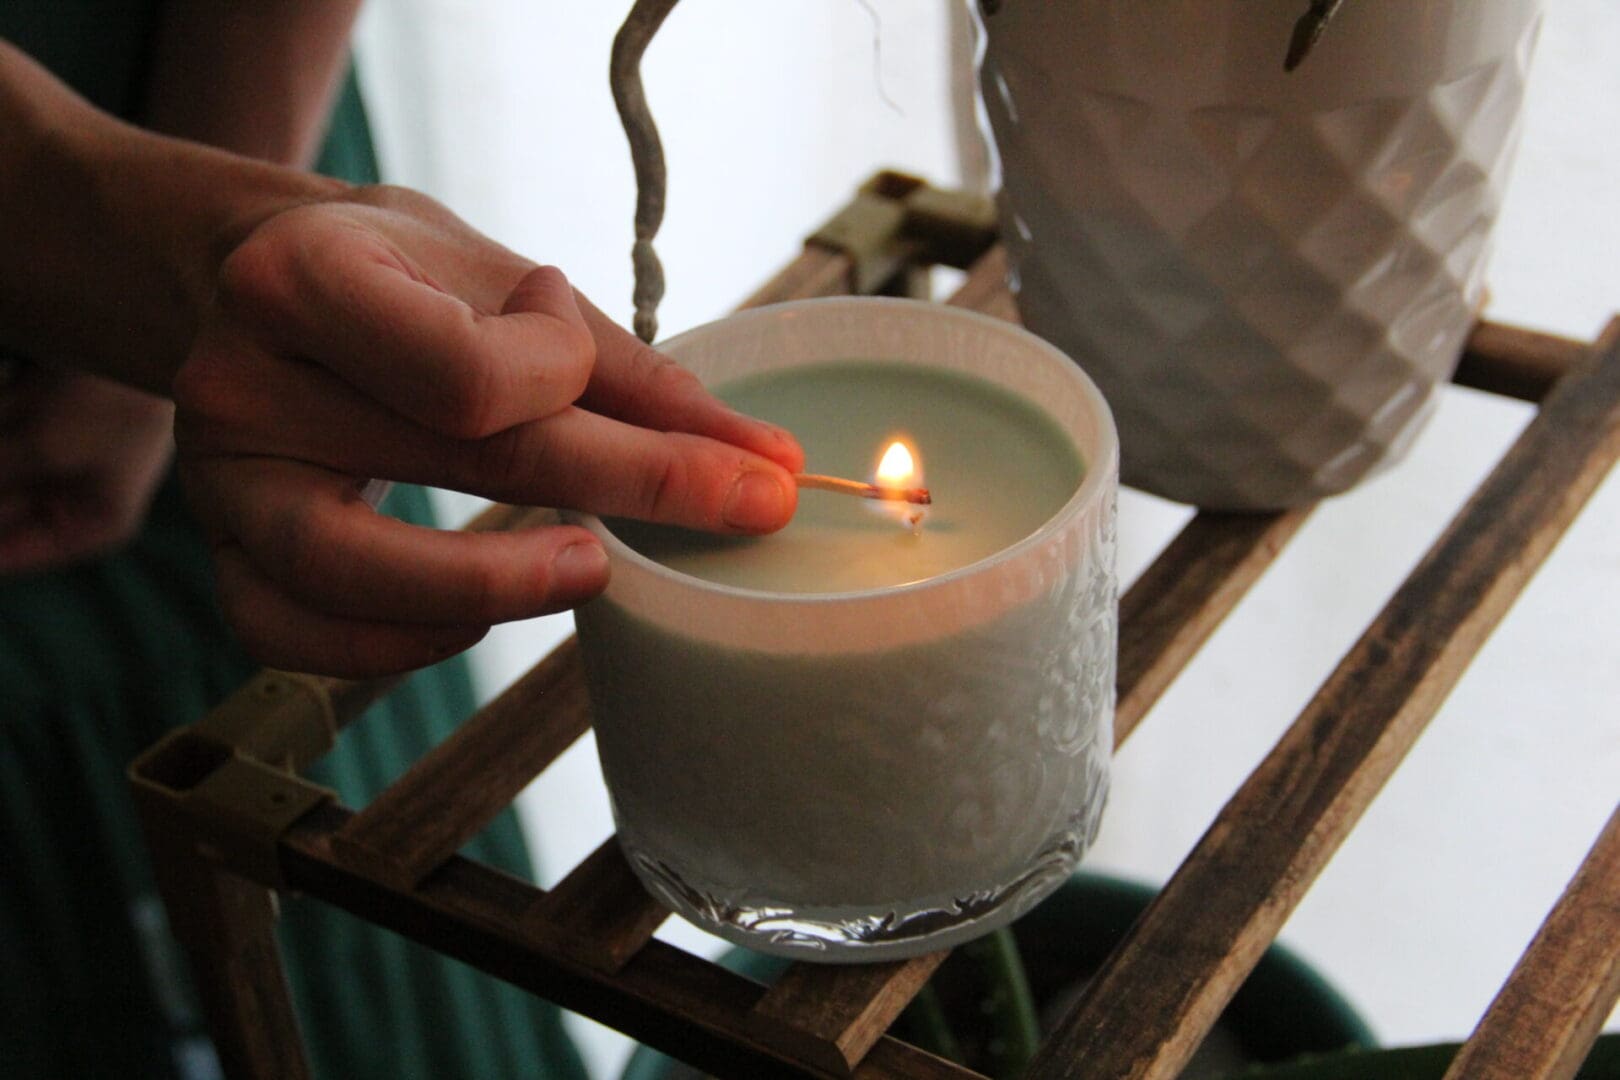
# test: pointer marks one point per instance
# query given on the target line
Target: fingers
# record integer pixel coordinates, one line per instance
(284, 633)
(233, 405)
(310, 536)
(333, 290)
(639, 385)
(585, 461)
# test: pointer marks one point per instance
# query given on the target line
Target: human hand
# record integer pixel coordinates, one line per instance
(377, 336)
(80, 458)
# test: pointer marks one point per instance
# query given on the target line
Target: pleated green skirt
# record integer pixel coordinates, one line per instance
(96, 662)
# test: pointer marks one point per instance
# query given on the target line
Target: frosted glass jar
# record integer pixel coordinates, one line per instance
(876, 774)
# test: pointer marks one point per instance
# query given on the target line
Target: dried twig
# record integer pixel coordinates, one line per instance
(624, 75)
(1308, 31)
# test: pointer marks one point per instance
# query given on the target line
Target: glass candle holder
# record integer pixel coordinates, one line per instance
(874, 774)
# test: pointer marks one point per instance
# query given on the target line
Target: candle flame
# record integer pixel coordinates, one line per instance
(901, 467)
(897, 468)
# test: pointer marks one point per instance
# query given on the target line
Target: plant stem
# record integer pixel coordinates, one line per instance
(647, 153)
(1008, 1005)
(928, 1027)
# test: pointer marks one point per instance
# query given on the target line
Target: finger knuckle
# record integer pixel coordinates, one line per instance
(663, 387)
(206, 397)
(577, 349)
(465, 388)
(483, 589)
(254, 275)
(672, 381)
(295, 539)
(500, 460)
(664, 487)
(243, 616)
(400, 199)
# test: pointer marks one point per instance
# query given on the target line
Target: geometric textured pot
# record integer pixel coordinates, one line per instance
(1267, 273)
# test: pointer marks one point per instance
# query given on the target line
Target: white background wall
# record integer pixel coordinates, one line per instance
(771, 114)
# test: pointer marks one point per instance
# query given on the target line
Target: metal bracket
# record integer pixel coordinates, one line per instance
(898, 222)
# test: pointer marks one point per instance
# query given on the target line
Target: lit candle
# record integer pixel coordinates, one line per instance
(853, 739)
(998, 467)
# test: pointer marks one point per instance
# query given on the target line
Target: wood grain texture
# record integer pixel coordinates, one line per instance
(831, 1015)
(1543, 1023)
(226, 926)
(599, 914)
(458, 787)
(1516, 363)
(818, 271)
(663, 997)
(1160, 992)
(985, 289)
(1172, 609)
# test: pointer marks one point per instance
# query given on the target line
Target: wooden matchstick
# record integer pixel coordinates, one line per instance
(838, 485)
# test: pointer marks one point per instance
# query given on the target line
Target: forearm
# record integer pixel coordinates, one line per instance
(257, 78)
(110, 237)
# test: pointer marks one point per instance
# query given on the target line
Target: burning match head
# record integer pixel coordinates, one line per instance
(915, 496)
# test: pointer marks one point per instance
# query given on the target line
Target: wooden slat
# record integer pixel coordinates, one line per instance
(818, 271)
(663, 997)
(1156, 998)
(458, 787)
(831, 1015)
(599, 914)
(1516, 363)
(985, 289)
(226, 926)
(1171, 610)
(1543, 1023)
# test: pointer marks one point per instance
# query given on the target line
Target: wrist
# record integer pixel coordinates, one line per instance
(183, 208)
(124, 230)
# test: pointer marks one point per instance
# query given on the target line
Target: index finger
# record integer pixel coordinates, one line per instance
(639, 385)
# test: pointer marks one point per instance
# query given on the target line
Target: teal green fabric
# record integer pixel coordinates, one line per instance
(96, 662)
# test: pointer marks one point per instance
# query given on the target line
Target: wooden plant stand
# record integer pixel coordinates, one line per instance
(230, 822)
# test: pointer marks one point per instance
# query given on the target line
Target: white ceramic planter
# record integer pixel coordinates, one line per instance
(1268, 274)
